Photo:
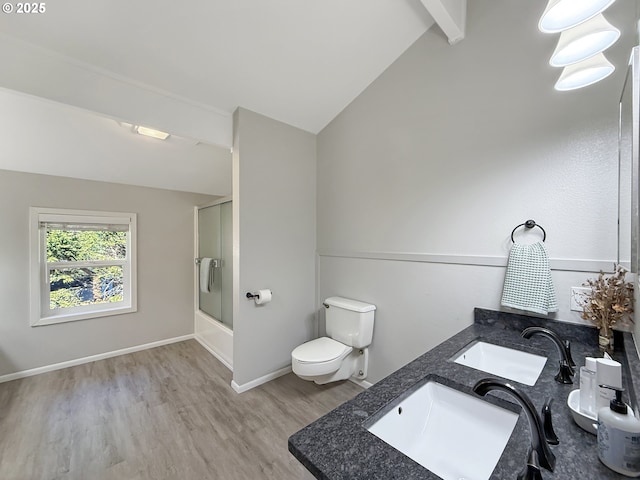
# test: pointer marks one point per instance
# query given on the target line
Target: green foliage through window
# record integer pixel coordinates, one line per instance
(78, 246)
(85, 285)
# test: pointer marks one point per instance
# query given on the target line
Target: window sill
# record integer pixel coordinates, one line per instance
(72, 317)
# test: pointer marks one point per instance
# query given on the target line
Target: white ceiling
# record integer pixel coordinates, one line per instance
(41, 136)
(184, 68)
(297, 61)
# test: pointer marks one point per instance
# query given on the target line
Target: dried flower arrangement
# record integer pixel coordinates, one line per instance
(610, 301)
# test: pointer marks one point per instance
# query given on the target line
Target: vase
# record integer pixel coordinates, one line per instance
(605, 339)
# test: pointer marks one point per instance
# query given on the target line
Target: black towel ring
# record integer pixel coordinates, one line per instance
(529, 224)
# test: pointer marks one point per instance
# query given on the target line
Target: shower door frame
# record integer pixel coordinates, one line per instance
(215, 336)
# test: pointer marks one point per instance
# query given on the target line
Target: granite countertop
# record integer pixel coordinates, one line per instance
(338, 445)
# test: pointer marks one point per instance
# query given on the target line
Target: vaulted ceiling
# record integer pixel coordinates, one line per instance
(297, 61)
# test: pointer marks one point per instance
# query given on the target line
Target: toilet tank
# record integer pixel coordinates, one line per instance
(349, 321)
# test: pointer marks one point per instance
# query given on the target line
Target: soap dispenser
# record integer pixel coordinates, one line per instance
(619, 437)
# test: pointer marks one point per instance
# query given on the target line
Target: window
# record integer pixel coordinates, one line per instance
(82, 264)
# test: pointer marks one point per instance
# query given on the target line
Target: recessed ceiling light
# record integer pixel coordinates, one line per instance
(150, 132)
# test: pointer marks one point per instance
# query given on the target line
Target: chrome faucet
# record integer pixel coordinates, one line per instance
(564, 350)
(540, 451)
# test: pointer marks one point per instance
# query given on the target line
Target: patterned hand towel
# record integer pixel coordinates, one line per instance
(527, 283)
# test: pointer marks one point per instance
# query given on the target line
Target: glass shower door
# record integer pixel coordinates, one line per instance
(215, 242)
(226, 267)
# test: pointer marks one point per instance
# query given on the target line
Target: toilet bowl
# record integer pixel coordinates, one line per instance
(321, 356)
(343, 353)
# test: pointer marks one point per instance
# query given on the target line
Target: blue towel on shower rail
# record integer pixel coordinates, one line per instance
(527, 284)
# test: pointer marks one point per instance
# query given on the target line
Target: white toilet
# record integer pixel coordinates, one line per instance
(343, 353)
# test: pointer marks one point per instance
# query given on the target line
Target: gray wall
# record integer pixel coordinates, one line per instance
(422, 178)
(165, 269)
(274, 242)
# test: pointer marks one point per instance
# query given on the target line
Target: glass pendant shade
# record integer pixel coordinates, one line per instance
(563, 14)
(584, 73)
(584, 41)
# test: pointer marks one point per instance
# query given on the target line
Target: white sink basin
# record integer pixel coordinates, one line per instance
(505, 362)
(455, 435)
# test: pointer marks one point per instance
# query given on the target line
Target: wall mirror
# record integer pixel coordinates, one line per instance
(628, 144)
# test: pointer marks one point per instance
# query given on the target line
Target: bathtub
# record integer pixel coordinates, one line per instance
(215, 337)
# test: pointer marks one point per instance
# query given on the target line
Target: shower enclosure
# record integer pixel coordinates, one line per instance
(214, 249)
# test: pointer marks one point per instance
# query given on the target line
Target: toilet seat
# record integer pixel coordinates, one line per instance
(319, 357)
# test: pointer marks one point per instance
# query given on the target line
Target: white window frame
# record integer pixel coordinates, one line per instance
(40, 313)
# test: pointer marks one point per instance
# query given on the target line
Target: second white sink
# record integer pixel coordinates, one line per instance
(505, 362)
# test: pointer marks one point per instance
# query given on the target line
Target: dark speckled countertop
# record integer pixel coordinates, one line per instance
(338, 445)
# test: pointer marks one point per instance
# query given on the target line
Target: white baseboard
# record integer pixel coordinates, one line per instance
(213, 352)
(259, 381)
(363, 383)
(91, 358)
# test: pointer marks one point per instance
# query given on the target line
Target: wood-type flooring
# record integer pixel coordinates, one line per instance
(164, 413)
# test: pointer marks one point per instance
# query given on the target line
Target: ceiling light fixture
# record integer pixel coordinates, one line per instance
(150, 132)
(584, 41)
(563, 14)
(584, 73)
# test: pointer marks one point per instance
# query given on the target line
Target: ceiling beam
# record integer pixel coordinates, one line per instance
(451, 17)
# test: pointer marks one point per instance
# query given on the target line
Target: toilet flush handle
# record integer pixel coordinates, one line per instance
(326, 305)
